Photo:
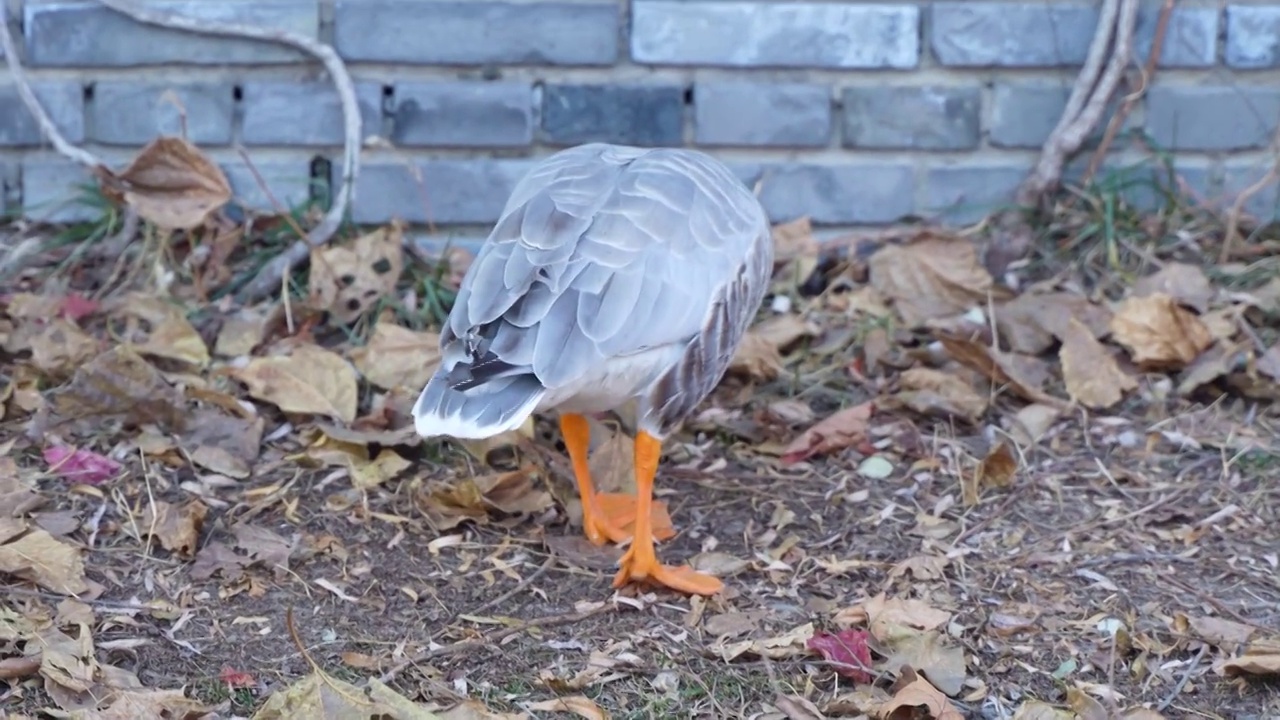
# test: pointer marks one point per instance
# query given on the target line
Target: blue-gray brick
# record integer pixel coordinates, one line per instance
(1239, 175)
(1253, 36)
(463, 114)
(865, 193)
(762, 114)
(924, 118)
(967, 193)
(1190, 41)
(475, 32)
(129, 113)
(304, 113)
(84, 33)
(288, 183)
(1141, 184)
(51, 190)
(645, 115)
(990, 34)
(1024, 113)
(64, 101)
(457, 192)
(1212, 118)
(775, 34)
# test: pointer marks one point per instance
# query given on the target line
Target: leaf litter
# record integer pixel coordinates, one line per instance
(913, 429)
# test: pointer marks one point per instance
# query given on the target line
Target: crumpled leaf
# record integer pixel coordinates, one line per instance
(346, 280)
(264, 546)
(847, 651)
(997, 469)
(1092, 376)
(324, 697)
(120, 383)
(177, 529)
(65, 661)
(1186, 284)
(1251, 664)
(933, 392)
(1033, 421)
(45, 560)
(60, 346)
(384, 467)
(1158, 332)
(170, 334)
(1086, 707)
(1023, 374)
(80, 465)
(789, 644)
(310, 380)
(474, 498)
(926, 653)
(171, 183)
(1032, 321)
(1036, 710)
(756, 358)
(882, 611)
(845, 428)
(933, 276)
(223, 443)
(914, 695)
(131, 704)
(241, 332)
(18, 494)
(398, 357)
(796, 707)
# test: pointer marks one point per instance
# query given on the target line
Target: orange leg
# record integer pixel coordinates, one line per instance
(597, 526)
(641, 561)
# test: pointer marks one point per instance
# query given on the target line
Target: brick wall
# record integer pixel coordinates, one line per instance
(854, 113)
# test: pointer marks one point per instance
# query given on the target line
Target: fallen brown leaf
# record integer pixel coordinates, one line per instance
(1260, 664)
(346, 280)
(934, 392)
(324, 697)
(756, 358)
(177, 529)
(224, 444)
(915, 695)
(1031, 322)
(310, 380)
(1092, 376)
(1036, 710)
(242, 331)
(398, 357)
(1186, 284)
(447, 505)
(168, 335)
(933, 276)
(579, 705)
(845, 428)
(997, 470)
(170, 183)
(1086, 707)
(35, 555)
(120, 383)
(1158, 332)
(1024, 375)
(59, 347)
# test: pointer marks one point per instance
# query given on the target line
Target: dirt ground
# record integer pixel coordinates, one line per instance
(1110, 560)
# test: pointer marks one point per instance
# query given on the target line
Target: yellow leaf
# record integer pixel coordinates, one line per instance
(1158, 332)
(45, 560)
(933, 276)
(171, 183)
(388, 464)
(310, 380)
(170, 335)
(346, 280)
(1092, 376)
(398, 357)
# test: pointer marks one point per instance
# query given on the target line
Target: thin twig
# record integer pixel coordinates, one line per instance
(551, 559)
(270, 276)
(47, 128)
(1182, 682)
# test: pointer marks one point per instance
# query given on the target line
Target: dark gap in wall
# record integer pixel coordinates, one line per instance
(88, 92)
(237, 93)
(321, 181)
(688, 95)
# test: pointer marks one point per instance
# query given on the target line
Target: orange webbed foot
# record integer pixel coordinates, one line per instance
(620, 510)
(681, 578)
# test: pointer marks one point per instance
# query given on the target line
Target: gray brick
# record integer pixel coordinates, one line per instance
(967, 193)
(64, 101)
(1190, 41)
(1024, 113)
(926, 118)
(1142, 184)
(993, 34)
(475, 32)
(445, 191)
(762, 114)
(289, 183)
(838, 194)
(645, 115)
(51, 192)
(1238, 175)
(130, 113)
(776, 34)
(84, 33)
(1212, 118)
(304, 113)
(463, 114)
(1253, 36)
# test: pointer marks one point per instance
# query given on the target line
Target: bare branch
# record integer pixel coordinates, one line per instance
(47, 128)
(271, 275)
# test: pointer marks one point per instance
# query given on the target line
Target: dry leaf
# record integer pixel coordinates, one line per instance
(60, 347)
(347, 280)
(926, 653)
(1023, 374)
(579, 705)
(1158, 332)
(1086, 707)
(369, 475)
(917, 694)
(224, 444)
(1226, 634)
(1186, 284)
(933, 276)
(796, 707)
(120, 383)
(43, 559)
(792, 643)
(1092, 376)
(242, 331)
(845, 428)
(310, 380)
(177, 529)
(169, 335)
(445, 506)
(1259, 664)
(1036, 710)
(933, 392)
(171, 184)
(323, 697)
(794, 239)
(1031, 322)
(65, 661)
(997, 470)
(756, 358)
(398, 357)
(882, 612)
(131, 704)
(1032, 422)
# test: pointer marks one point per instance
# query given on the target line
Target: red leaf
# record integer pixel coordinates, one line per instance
(236, 678)
(84, 466)
(847, 651)
(76, 306)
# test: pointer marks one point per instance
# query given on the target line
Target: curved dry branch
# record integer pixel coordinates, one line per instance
(272, 274)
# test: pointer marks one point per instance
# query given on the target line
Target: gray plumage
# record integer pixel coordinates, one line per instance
(614, 273)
